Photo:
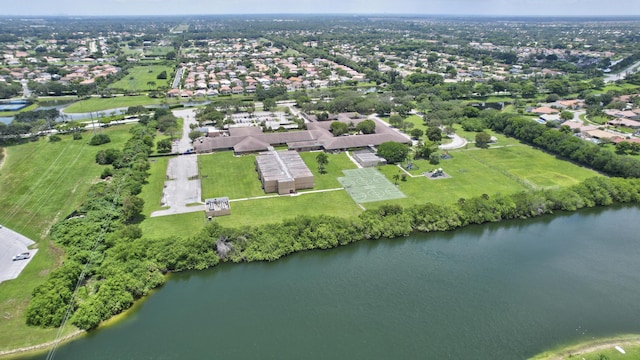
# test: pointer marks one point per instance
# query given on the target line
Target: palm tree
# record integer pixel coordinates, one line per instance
(322, 159)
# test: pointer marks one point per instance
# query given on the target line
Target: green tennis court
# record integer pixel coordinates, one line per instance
(369, 185)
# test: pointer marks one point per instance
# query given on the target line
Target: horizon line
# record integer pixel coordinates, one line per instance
(326, 14)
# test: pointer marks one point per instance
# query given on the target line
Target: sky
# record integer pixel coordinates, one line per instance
(429, 7)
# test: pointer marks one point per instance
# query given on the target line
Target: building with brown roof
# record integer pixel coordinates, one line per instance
(316, 137)
(544, 110)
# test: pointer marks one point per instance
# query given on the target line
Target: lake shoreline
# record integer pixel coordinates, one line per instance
(589, 347)
(595, 345)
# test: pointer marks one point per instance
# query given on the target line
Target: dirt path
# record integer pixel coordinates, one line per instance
(592, 347)
(40, 346)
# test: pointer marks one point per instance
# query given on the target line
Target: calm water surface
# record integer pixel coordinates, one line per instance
(499, 291)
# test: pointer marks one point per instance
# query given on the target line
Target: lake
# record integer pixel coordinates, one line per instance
(497, 291)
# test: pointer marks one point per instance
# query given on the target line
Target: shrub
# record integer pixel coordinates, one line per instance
(54, 138)
(77, 136)
(99, 139)
(434, 158)
(108, 156)
(164, 146)
(106, 173)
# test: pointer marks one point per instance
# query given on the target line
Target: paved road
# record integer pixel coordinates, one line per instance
(182, 186)
(177, 78)
(621, 75)
(11, 244)
(457, 143)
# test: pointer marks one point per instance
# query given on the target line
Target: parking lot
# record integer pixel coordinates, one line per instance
(11, 244)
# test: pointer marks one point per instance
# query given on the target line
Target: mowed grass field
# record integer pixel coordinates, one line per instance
(507, 167)
(223, 174)
(152, 191)
(40, 183)
(101, 104)
(139, 77)
(499, 170)
(333, 170)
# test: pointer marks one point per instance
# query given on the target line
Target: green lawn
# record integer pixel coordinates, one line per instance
(223, 174)
(157, 50)
(152, 191)
(615, 87)
(100, 104)
(139, 77)
(333, 170)
(276, 209)
(40, 183)
(178, 225)
(500, 170)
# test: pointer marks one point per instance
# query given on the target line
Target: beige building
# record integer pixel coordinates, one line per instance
(283, 172)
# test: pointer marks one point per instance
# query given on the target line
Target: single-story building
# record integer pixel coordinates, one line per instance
(544, 110)
(625, 122)
(217, 207)
(283, 172)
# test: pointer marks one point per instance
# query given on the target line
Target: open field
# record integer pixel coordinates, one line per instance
(223, 174)
(152, 191)
(474, 172)
(41, 182)
(333, 170)
(139, 77)
(506, 168)
(175, 225)
(100, 104)
(157, 50)
(276, 209)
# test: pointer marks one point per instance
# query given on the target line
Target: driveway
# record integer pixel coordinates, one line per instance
(11, 244)
(182, 191)
(456, 143)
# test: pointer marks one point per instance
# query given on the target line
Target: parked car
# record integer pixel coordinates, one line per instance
(22, 256)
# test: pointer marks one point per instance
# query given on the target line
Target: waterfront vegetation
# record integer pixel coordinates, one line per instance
(599, 349)
(41, 182)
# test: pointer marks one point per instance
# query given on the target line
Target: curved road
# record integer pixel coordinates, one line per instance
(456, 143)
(622, 74)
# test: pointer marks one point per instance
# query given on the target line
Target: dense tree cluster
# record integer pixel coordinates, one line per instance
(565, 145)
(9, 89)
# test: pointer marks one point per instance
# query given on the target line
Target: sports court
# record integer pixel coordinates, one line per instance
(368, 185)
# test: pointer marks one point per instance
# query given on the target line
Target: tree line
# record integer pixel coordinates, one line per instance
(565, 145)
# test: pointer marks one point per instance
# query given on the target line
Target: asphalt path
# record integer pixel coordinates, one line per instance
(456, 143)
(182, 189)
(11, 244)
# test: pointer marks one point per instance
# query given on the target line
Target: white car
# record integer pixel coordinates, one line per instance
(22, 256)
